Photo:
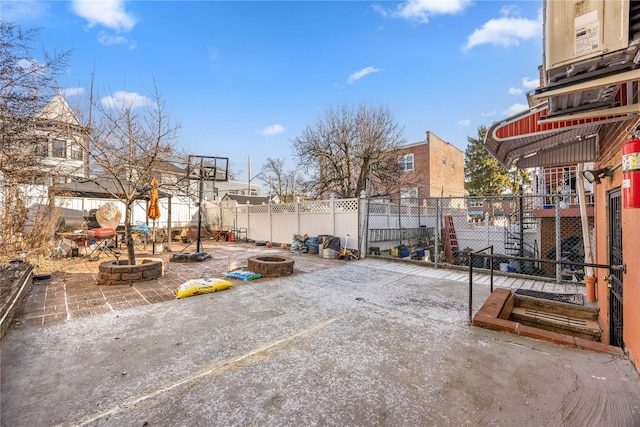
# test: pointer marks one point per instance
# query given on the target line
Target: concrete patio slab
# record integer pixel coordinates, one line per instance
(348, 343)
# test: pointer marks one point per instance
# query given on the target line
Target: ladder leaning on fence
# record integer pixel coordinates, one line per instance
(450, 239)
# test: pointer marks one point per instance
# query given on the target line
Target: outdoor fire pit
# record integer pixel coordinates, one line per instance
(120, 272)
(270, 266)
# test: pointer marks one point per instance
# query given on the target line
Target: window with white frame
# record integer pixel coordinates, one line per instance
(444, 161)
(59, 149)
(476, 202)
(453, 165)
(41, 147)
(76, 151)
(409, 194)
(405, 162)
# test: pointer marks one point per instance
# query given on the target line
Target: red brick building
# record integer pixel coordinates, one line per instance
(431, 168)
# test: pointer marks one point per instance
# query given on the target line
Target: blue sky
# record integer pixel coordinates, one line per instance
(244, 78)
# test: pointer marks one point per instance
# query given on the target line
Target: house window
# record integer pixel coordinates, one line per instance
(444, 161)
(405, 162)
(41, 147)
(453, 166)
(59, 149)
(409, 194)
(76, 151)
(476, 202)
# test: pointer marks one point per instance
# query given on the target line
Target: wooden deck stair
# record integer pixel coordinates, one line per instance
(569, 319)
(496, 313)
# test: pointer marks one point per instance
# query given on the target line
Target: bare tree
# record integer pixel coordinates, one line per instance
(295, 185)
(348, 147)
(272, 175)
(128, 144)
(286, 184)
(26, 86)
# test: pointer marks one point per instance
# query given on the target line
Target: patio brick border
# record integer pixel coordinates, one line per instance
(11, 309)
(119, 272)
(494, 314)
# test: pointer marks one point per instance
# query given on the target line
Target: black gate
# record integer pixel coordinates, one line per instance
(615, 258)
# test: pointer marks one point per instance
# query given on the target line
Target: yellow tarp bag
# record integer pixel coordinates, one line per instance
(201, 286)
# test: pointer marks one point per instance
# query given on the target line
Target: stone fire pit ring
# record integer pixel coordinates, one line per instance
(119, 272)
(270, 265)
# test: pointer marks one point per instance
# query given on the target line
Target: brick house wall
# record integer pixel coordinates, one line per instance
(570, 227)
(438, 168)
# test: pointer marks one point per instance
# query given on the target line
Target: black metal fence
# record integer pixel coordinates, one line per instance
(488, 255)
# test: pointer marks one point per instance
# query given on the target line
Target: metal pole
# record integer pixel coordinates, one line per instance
(470, 286)
(169, 229)
(491, 267)
(486, 221)
(521, 206)
(200, 193)
(400, 219)
(436, 255)
(558, 241)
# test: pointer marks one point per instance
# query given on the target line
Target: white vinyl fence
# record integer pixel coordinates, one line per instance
(279, 222)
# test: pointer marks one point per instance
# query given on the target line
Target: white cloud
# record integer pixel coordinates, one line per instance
(530, 83)
(360, 74)
(505, 31)
(107, 13)
(72, 91)
(18, 11)
(488, 114)
(271, 130)
(515, 91)
(28, 64)
(122, 99)
(422, 10)
(32, 66)
(465, 122)
(514, 109)
(108, 39)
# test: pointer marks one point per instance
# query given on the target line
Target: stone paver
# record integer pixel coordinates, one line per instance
(74, 294)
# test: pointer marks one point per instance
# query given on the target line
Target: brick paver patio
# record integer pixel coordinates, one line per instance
(75, 293)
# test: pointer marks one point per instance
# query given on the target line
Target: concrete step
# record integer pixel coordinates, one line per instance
(557, 307)
(573, 326)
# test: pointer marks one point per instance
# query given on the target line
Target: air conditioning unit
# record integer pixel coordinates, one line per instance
(590, 37)
(591, 59)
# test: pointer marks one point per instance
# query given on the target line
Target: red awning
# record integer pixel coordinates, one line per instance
(523, 139)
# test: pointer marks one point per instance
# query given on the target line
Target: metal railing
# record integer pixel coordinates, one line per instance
(491, 257)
